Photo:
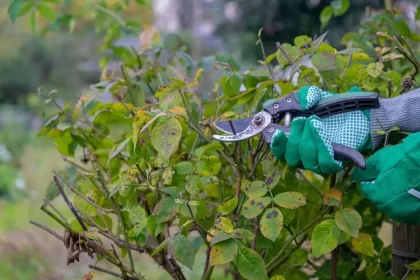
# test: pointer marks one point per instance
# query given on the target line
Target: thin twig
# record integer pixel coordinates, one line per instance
(63, 223)
(46, 202)
(254, 242)
(105, 271)
(47, 229)
(75, 164)
(69, 204)
(208, 269)
(301, 174)
(334, 254)
(74, 190)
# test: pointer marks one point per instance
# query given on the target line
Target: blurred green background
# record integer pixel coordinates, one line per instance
(69, 61)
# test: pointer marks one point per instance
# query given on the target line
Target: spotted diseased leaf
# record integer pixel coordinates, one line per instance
(208, 166)
(166, 137)
(224, 224)
(272, 180)
(292, 52)
(228, 206)
(349, 220)
(165, 209)
(324, 61)
(364, 244)
(333, 197)
(223, 252)
(255, 189)
(254, 206)
(323, 240)
(250, 265)
(183, 250)
(290, 200)
(374, 69)
(391, 56)
(240, 233)
(370, 83)
(271, 223)
(219, 237)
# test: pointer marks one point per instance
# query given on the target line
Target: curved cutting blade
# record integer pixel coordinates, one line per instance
(238, 125)
(257, 124)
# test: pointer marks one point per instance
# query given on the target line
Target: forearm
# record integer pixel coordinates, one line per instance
(402, 111)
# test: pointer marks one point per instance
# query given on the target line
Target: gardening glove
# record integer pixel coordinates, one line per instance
(309, 144)
(391, 180)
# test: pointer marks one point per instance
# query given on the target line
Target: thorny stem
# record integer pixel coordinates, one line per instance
(105, 271)
(208, 269)
(46, 202)
(265, 57)
(75, 164)
(273, 264)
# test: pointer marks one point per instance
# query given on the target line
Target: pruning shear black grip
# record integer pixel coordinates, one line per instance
(286, 108)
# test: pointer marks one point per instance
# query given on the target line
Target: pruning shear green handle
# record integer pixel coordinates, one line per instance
(286, 108)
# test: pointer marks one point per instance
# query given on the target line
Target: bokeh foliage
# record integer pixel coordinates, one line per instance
(146, 174)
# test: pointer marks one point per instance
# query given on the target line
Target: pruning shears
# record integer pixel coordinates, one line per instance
(286, 108)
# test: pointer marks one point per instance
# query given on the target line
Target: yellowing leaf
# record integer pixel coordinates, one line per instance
(361, 56)
(228, 206)
(166, 137)
(324, 61)
(415, 266)
(363, 244)
(271, 223)
(290, 200)
(255, 189)
(374, 69)
(138, 216)
(223, 252)
(254, 206)
(322, 239)
(332, 197)
(224, 224)
(349, 220)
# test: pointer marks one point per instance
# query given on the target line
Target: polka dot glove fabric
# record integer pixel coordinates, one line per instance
(309, 144)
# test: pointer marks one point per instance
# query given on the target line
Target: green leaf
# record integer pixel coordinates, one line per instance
(374, 69)
(254, 206)
(370, 83)
(340, 6)
(340, 235)
(139, 234)
(290, 200)
(271, 223)
(167, 176)
(183, 167)
(224, 224)
(165, 209)
(119, 148)
(302, 41)
(14, 9)
(250, 265)
(75, 225)
(363, 244)
(349, 220)
(418, 13)
(254, 189)
(215, 145)
(183, 250)
(228, 206)
(161, 246)
(292, 52)
(243, 233)
(325, 16)
(166, 137)
(272, 180)
(415, 266)
(324, 61)
(208, 166)
(223, 252)
(46, 12)
(322, 239)
(298, 258)
(138, 216)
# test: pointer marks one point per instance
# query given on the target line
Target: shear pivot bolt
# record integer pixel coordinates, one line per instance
(271, 129)
(289, 99)
(259, 120)
(276, 105)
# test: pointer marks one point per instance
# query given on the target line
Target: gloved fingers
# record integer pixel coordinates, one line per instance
(326, 161)
(279, 144)
(309, 96)
(292, 150)
(308, 150)
(371, 170)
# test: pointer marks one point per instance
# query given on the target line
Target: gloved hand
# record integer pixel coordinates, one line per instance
(309, 144)
(391, 180)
